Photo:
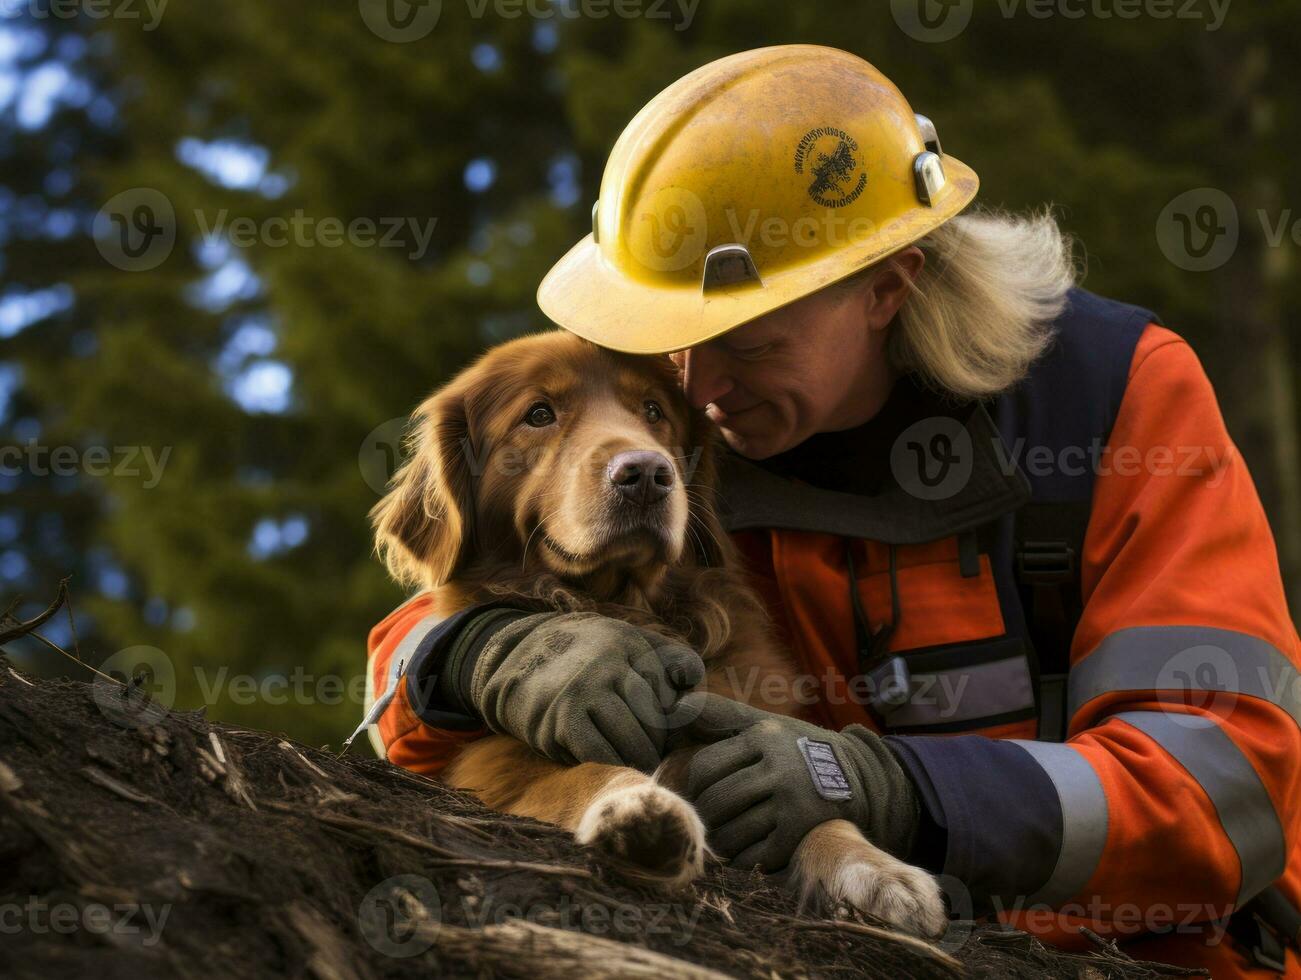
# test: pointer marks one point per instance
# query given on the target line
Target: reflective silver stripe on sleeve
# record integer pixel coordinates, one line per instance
(375, 708)
(1187, 658)
(940, 697)
(1084, 819)
(1226, 776)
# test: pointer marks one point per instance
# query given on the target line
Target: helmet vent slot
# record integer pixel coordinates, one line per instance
(729, 265)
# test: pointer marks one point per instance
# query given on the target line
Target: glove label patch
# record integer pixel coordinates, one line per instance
(824, 769)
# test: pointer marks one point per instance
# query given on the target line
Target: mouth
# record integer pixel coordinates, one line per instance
(640, 544)
(724, 417)
(556, 549)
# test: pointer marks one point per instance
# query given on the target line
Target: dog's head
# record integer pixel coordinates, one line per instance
(558, 457)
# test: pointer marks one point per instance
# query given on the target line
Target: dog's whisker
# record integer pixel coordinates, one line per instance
(536, 528)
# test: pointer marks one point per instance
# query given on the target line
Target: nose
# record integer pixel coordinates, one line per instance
(704, 375)
(642, 477)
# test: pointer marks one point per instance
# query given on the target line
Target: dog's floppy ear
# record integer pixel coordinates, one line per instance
(424, 525)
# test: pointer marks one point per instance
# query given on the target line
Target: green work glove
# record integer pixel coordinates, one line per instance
(579, 687)
(766, 781)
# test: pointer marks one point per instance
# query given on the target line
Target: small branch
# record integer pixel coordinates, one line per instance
(443, 855)
(890, 935)
(19, 628)
(519, 948)
(101, 778)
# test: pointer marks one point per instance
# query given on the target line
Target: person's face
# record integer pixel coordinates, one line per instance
(818, 365)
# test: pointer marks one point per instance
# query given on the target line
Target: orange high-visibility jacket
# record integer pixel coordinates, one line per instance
(1175, 797)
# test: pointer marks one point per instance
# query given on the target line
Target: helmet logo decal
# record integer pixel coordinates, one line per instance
(830, 156)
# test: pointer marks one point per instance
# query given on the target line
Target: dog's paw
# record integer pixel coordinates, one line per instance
(650, 829)
(891, 890)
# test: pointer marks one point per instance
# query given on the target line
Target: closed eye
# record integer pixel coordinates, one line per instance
(750, 353)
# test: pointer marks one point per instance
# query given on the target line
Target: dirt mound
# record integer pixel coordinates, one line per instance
(141, 843)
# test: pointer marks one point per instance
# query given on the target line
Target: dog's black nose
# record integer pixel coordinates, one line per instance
(643, 477)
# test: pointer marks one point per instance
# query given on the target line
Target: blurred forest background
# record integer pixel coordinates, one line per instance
(264, 375)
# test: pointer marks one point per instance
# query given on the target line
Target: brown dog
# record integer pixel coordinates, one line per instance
(512, 487)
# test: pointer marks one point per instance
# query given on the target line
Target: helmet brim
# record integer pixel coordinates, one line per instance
(585, 295)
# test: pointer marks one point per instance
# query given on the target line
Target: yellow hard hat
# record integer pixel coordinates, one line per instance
(750, 183)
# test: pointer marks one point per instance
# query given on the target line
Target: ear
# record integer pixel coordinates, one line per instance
(424, 524)
(892, 284)
(713, 546)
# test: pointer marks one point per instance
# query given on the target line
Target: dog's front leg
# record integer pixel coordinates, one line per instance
(619, 811)
(836, 863)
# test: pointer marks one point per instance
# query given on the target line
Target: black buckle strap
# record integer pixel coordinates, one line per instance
(1264, 948)
(1046, 562)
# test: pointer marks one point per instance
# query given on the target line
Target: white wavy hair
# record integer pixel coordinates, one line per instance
(982, 307)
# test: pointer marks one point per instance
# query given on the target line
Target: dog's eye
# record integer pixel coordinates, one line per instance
(653, 412)
(540, 415)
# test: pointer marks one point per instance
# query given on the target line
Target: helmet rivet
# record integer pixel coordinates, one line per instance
(930, 136)
(728, 265)
(929, 170)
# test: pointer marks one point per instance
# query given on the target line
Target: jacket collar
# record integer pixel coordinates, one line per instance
(978, 485)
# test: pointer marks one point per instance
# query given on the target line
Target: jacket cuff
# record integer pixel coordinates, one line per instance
(999, 812)
(435, 699)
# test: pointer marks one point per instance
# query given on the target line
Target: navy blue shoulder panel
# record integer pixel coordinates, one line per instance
(1061, 414)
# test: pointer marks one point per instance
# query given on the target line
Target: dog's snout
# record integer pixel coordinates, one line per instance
(642, 477)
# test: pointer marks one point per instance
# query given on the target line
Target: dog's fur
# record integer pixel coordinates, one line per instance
(488, 505)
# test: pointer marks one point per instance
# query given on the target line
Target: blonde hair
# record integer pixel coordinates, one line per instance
(982, 308)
